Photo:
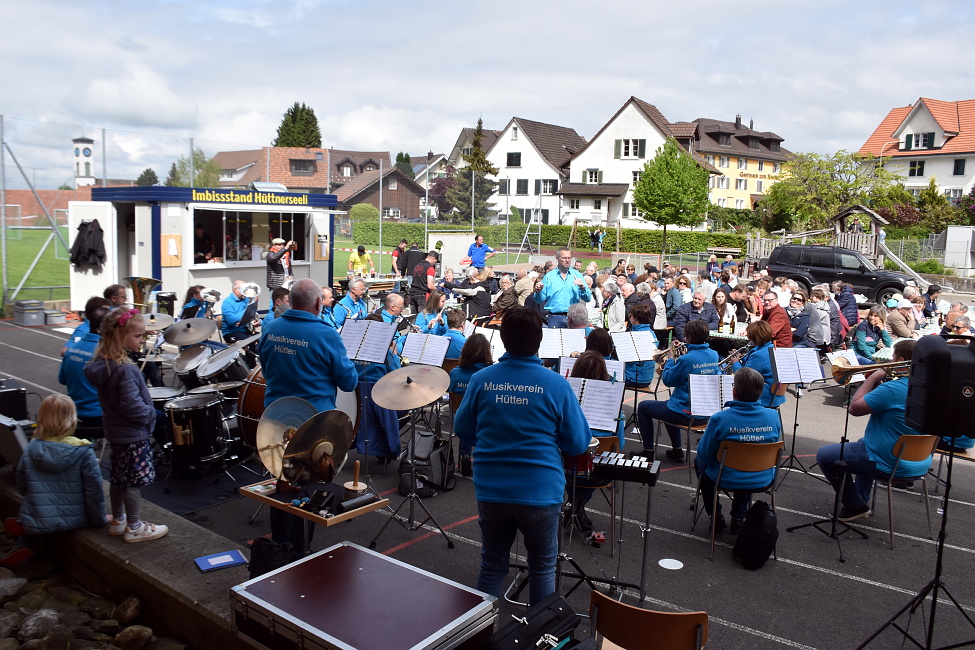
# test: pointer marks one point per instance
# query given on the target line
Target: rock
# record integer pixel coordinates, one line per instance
(59, 606)
(110, 627)
(59, 637)
(9, 644)
(74, 619)
(68, 595)
(6, 573)
(37, 624)
(127, 610)
(11, 587)
(32, 645)
(8, 623)
(30, 602)
(98, 608)
(133, 638)
(166, 643)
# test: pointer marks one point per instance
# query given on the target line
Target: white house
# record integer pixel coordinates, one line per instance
(603, 173)
(930, 139)
(531, 158)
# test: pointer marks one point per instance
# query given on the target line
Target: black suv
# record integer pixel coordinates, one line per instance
(810, 265)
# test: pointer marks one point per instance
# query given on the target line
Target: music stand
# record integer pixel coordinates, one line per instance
(787, 372)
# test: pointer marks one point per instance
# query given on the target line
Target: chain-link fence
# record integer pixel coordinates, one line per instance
(45, 165)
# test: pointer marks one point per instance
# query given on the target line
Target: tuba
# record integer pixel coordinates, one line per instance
(142, 289)
(251, 290)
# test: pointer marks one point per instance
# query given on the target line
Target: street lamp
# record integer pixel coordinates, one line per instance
(884, 147)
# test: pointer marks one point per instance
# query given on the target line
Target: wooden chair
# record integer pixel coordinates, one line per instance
(908, 448)
(744, 457)
(449, 364)
(632, 628)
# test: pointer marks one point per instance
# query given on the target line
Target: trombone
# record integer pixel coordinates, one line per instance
(843, 370)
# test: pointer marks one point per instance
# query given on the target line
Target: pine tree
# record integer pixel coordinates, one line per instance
(299, 128)
(404, 164)
(147, 178)
(173, 179)
(477, 171)
(477, 159)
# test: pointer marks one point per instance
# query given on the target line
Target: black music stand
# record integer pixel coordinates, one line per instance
(833, 519)
(792, 460)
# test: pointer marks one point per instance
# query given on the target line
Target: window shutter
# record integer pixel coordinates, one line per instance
(908, 141)
(626, 209)
(643, 148)
(599, 176)
(931, 140)
(617, 147)
(538, 187)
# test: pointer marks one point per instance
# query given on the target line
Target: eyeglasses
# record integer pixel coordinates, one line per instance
(958, 327)
(769, 299)
(797, 300)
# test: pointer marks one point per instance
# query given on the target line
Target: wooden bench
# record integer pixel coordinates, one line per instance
(717, 250)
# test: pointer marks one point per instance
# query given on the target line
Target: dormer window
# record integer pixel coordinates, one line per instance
(370, 168)
(347, 170)
(724, 139)
(514, 133)
(773, 146)
(302, 167)
(919, 141)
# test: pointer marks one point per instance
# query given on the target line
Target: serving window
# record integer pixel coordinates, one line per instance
(245, 236)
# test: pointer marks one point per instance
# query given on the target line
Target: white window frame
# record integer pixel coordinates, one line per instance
(915, 168)
(346, 171)
(724, 161)
(759, 187)
(739, 204)
(630, 148)
(724, 183)
(573, 204)
(514, 133)
(592, 176)
(391, 213)
(392, 184)
(743, 163)
(741, 184)
(776, 168)
(722, 202)
(597, 204)
(761, 165)
(709, 158)
(636, 176)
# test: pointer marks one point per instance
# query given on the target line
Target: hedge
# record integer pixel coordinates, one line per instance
(633, 240)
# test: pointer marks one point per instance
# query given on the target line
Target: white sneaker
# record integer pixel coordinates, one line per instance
(116, 527)
(145, 533)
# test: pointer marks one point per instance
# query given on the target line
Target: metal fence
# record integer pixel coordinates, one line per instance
(41, 165)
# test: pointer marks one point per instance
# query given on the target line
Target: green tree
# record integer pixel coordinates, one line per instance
(364, 212)
(937, 210)
(147, 178)
(813, 187)
(172, 180)
(477, 171)
(298, 128)
(206, 172)
(966, 208)
(65, 186)
(672, 190)
(404, 164)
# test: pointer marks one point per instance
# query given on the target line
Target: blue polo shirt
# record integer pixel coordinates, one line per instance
(457, 341)
(232, 309)
(72, 375)
(478, 254)
(886, 425)
(558, 293)
(267, 319)
(304, 357)
(758, 359)
(328, 317)
(348, 307)
(460, 377)
(742, 422)
(78, 333)
(698, 360)
(423, 320)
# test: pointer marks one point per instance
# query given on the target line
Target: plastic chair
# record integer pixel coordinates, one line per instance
(632, 628)
(743, 457)
(908, 448)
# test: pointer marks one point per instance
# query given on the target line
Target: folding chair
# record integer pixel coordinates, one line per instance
(743, 457)
(632, 628)
(908, 448)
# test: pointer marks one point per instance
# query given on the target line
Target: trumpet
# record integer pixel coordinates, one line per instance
(676, 349)
(843, 370)
(729, 361)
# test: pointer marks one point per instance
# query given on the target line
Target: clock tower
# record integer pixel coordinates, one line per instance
(84, 162)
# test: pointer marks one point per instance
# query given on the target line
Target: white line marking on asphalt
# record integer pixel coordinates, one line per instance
(36, 354)
(29, 383)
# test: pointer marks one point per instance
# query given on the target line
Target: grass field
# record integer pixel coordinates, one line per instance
(22, 247)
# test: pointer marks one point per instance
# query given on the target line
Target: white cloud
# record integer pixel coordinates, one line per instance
(138, 96)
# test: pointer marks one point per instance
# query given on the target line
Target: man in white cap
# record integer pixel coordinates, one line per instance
(900, 320)
(279, 263)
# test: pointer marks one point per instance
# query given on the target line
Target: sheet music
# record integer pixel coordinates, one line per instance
(426, 349)
(600, 401)
(469, 328)
(494, 338)
(796, 365)
(710, 392)
(561, 343)
(850, 356)
(634, 346)
(368, 340)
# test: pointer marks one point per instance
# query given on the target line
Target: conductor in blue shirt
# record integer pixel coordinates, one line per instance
(519, 416)
(479, 252)
(559, 288)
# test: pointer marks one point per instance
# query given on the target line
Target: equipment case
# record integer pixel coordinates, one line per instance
(350, 598)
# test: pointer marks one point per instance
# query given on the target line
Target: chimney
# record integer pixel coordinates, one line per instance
(738, 121)
(429, 155)
(751, 124)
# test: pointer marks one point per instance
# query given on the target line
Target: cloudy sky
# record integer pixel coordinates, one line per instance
(404, 76)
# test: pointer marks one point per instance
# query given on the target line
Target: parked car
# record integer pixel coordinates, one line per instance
(810, 265)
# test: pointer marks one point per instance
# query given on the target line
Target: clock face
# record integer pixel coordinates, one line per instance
(87, 151)
(77, 151)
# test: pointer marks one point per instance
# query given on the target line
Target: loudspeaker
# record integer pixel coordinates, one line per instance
(941, 388)
(13, 400)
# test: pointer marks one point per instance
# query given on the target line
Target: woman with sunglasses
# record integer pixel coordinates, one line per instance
(799, 319)
(684, 286)
(631, 273)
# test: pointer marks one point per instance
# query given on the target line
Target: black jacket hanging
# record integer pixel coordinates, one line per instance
(89, 245)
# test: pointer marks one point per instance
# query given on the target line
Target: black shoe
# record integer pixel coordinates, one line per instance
(676, 455)
(849, 514)
(649, 454)
(720, 524)
(466, 465)
(584, 523)
(901, 484)
(735, 525)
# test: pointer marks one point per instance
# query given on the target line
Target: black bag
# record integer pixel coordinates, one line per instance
(544, 625)
(757, 537)
(268, 555)
(434, 462)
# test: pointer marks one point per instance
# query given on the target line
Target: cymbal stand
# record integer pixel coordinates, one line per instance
(791, 461)
(933, 587)
(833, 519)
(410, 524)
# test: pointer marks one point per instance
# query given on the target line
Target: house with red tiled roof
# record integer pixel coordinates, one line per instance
(532, 160)
(400, 195)
(300, 169)
(930, 139)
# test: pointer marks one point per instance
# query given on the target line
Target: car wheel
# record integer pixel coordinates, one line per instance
(803, 284)
(885, 294)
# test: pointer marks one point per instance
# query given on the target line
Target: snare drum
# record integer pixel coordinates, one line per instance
(225, 365)
(188, 361)
(161, 395)
(580, 465)
(197, 426)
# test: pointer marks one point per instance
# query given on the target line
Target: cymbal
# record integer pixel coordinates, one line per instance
(410, 387)
(215, 388)
(243, 343)
(318, 449)
(158, 322)
(190, 331)
(160, 357)
(277, 425)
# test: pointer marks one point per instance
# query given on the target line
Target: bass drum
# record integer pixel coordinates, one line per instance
(250, 406)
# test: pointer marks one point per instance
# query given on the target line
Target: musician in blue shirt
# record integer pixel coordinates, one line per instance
(280, 302)
(82, 330)
(475, 356)
(232, 324)
(640, 373)
(760, 336)
(72, 371)
(431, 319)
(745, 420)
(479, 252)
(561, 287)
(379, 427)
(328, 315)
(699, 360)
(353, 304)
(392, 312)
(194, 306)
(455, 321)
